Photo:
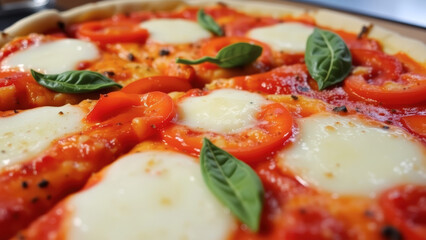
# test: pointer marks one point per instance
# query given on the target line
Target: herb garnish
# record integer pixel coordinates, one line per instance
(233, 182)
(74, 81)
(208, 23)
(327, 57)
(234, 55)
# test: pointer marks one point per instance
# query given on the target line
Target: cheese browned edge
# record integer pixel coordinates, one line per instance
(392, 42)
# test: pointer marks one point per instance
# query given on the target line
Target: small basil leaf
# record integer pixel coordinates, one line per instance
(327, 57)
(234, 55)
(74, 81)
(208, 23)
(233, 182)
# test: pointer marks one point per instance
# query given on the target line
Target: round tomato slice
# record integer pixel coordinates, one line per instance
(415, 123)
(385, 83)
(213, 46)
(405, 208)
(151, 109)
(274, 126)
(411, 90)
(109, 31)
(158, 83)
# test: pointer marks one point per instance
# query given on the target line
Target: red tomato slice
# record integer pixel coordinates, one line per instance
(109, 31)
(415, 123)
(211, 47)
(274, 127)
(152, 109)
(405, 208)
(411, 91)
(112, 104)
(386, 84)
(158, 83)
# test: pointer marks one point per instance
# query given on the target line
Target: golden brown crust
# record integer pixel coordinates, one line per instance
(392, 42)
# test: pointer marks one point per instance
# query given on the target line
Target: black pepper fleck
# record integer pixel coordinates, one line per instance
(153, 126)
(24, 184)
(43, 183)
(34, 200)
(385, 127)
(61, 26)
(109, 73)
(164, 52)
(15, 111)
(303, 89)
(368, 214)
(48, 197)
(130, 57)
(391, 233)
(294, 97)
(340, 109)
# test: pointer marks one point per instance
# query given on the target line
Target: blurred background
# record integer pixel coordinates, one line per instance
(409, 14)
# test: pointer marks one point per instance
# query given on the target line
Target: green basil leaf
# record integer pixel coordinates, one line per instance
(208, 23)
(327, 57)
(74, 81)
(234, 55)
(233, 182)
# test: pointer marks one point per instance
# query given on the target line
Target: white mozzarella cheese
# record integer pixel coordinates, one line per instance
(150, 195)
(52, 57)
(222, 111)
(174, 31)
(26, 134)
(289, 37)
(348, 156)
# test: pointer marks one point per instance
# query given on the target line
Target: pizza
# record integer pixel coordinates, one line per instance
(204, 120)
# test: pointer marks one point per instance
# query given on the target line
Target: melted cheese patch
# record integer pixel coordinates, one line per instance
(150, 195)
(346, 156)
(222, 111)
(27, 134)
(289, 37)
(174, 31)
(52, 57)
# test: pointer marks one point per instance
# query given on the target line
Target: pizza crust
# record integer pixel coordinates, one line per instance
(392, 42)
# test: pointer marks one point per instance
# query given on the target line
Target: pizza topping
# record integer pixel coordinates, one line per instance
(234, 55)
(405, 208)
(174, 31)
(158, 83)
(28, 133)
(24, 184)
(151, 194)
(43, 183)
(52, 57)
(290, 37)
(340, 109)
(387, 84)
(233, 182)
(327, 57)
(222, 111)
(208, 23)
(248, 129)
(74, 81)
(110, 31)
(348, 156)
(213, 46)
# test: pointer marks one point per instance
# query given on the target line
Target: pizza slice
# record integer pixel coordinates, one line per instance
(49, 152)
